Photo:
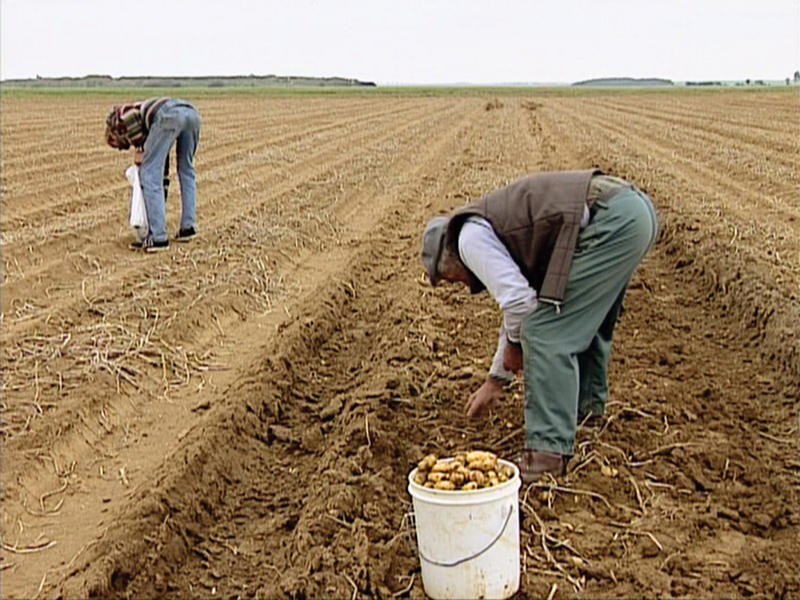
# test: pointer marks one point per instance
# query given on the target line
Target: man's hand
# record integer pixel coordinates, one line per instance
(512, 357)
(481, 400)
(138, 156)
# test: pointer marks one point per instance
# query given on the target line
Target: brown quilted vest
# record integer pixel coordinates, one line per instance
(538, 219)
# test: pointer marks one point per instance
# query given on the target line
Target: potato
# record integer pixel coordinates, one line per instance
(478, 477)
(426, 463)
(444, 466)
(473, 470)
(479, 455)
(487, 464)
(475, 456)
(437, 477)
(463, 471)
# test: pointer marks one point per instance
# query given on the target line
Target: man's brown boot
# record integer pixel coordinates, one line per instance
(534, 463)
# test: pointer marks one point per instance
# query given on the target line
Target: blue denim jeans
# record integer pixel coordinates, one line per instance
(176, 122)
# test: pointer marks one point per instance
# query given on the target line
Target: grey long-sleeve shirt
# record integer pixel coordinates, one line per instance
(486, 256)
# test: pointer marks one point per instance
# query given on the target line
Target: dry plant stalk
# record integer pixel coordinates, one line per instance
(353, 583)
(406, 589)
(31, 548)
(112, 338)
(553, 591)
(544, 537)
(567, 490)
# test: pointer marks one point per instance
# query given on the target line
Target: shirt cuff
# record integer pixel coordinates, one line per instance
(502, 379)
(497, 371)
(511, 338)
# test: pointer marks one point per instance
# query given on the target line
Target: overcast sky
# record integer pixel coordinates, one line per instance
(403, 41)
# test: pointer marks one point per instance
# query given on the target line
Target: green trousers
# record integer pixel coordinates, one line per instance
(566, 351)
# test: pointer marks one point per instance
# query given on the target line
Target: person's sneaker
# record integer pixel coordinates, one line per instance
(534, 463)
(185, 235)
(148, 244)
(151, 245)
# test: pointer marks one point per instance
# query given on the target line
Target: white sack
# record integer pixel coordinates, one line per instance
(138, 212)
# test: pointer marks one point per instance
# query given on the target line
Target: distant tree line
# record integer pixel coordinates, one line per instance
(650, 82)
(624, 81)
(95, 81)
(788, 81)
(704, 83)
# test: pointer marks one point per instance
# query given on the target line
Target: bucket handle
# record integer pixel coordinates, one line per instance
(472, 556)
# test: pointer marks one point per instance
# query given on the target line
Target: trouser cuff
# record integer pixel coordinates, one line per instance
(535, 442)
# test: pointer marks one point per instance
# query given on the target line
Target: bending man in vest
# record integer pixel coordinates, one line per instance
(152, 127)
(556, 251)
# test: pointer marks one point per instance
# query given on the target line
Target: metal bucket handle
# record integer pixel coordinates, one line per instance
(410, 518)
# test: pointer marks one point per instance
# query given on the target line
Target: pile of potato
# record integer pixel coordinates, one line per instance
(469, 471)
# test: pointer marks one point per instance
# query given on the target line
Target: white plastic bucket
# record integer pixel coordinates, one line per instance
(468, 541)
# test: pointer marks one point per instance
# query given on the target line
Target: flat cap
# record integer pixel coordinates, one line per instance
(432, 246)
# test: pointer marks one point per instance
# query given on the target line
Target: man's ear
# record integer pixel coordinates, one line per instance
(449, 266)
(445, 265)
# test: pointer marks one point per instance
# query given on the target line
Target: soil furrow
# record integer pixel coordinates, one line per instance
(257, 188)
(89, 194)
(263, 538)
(60, 315)
(780, 146)
(742, 270)
(718, 185)
(397, 162)
(279, 378)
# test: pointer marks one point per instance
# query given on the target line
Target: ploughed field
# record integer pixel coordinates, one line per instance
(237, 417)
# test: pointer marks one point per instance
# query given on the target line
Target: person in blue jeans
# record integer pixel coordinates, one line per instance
(152, 126)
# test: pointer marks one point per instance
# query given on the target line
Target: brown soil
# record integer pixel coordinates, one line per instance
(237, 417)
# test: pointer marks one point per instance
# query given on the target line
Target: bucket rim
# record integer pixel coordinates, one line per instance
(464, 496)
